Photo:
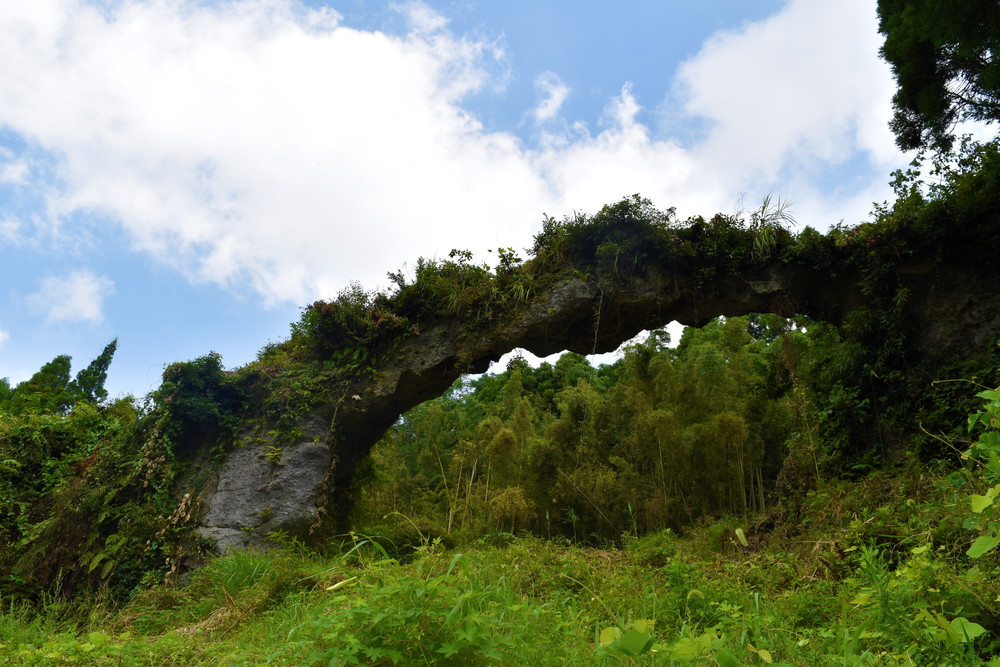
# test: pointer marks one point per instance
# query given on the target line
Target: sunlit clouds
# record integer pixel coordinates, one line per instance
(553, 93)
(75, 297)
(268, 148)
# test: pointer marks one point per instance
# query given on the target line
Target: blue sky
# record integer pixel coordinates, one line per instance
(185, 174)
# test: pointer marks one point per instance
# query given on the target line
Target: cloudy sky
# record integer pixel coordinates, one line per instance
(185, 174)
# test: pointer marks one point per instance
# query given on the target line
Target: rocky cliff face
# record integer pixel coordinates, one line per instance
(262, 487)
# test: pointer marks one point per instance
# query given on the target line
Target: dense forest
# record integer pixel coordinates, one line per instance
(771, 488)
(718, 425)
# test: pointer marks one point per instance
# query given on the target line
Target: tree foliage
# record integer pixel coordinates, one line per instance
(85, 485)
(201, 401)
(6, 393)
(944, 55)
(657, 440)
(52, 391)
(47, 391)
(90, 380)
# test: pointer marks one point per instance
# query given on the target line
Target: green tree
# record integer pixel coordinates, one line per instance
(90, 381)
(51, 391)
(47, 391)
(5, 393)
(202, 401)
(943, 54)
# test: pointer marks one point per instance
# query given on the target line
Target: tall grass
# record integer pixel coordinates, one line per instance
(830, 589)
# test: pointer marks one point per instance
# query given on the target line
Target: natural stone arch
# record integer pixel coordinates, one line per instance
(951, 305)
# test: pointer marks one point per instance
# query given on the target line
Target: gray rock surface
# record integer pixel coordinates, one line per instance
(263, 487)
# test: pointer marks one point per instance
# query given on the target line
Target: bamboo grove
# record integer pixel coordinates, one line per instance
(667, 437)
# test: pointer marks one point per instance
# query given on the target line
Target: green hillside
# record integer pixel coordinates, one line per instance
(814, 483)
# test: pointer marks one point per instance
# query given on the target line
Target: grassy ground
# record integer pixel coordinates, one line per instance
(870, 573)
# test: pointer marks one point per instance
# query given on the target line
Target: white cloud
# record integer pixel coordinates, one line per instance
(76, 297)
(589, 171)
(782, 100)
(12, 171)
(554, 92)
(804, 84)
(423, 19)
(10, 232)
(246, 144)
(261, 143)
(4, 337)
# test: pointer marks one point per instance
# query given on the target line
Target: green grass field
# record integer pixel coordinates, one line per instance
(870, 573)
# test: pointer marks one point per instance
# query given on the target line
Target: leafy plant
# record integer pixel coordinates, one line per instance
(437, 619)
(634, 641)
(200, 401)
(985, 452)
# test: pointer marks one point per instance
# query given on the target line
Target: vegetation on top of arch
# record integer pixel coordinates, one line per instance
(629, 237)
(622, 240)
(346, 337)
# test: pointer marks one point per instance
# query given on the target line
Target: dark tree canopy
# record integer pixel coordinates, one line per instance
(90, 381)
(6, 391)
(943, 54)
(52, 391)
(47, 391)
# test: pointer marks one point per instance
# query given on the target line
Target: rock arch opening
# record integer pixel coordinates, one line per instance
(950, 305)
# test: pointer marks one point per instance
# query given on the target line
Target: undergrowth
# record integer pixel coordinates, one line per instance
(862, 576)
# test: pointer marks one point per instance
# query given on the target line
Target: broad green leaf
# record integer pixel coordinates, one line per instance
(727, 658)
(685, 650)
(644, 625)
(448, 649)
(983, 545)
(633, 643)
(96, 561)
(688, 649)
(765, 655)
(862, 598)
(98, 638)
(979, 503)
(958, 631)
(966, 629)
(454, 562)
(609, 635)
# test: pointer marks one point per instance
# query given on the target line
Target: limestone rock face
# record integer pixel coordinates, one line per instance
(263, 488)
(260, 489)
